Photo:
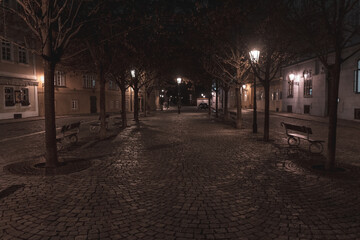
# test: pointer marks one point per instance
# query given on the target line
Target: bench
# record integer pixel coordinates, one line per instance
(95, 127)
(68, 132)
(295, 133)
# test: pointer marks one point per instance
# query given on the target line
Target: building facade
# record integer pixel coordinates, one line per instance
(79, 93)
(18, 76)
(306, 84)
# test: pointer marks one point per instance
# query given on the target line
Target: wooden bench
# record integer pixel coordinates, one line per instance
(68, 132)
(95, 127)
(295, 133)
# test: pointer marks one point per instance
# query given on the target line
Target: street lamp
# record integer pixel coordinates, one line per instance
(254, 57)
(132, 73)
(179, 100)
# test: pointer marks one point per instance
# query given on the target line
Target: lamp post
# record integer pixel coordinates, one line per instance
(179, 100)
(254, 57)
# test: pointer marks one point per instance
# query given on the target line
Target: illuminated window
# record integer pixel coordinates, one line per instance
(357, 78)
(59, 79)
(9, 97)
(89, 81)
(6, 50)
(23, 55)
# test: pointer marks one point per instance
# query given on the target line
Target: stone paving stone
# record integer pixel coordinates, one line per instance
(180, 177)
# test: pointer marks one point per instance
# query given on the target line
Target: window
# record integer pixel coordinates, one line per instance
(89, 81)
(9, 97)
(6, 50)
(357, 78)
(274, 96)
(59, 79)
(290, 88)
(113, 85)
(23, 55)
(308, 88)
(25, 97)
(74, 104)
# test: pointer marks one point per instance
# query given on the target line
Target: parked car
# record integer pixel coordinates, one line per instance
(203, 106)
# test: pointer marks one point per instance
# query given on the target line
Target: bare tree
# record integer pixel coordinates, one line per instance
(327, 28)
(230, 66)
(275, 49)
(54, 23)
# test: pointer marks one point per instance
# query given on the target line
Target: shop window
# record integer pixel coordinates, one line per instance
(25, 97)
(6, 50)
(357, 78)
(290, 88)
(59, 79)
(23, 56)
(89, 81)
(9, 97)
(74, 104)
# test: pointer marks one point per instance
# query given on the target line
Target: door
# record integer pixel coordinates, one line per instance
(93, 108)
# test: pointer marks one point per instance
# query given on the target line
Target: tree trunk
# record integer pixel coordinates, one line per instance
(148, 96)
(209, 105)
(145, 101)
(136, 104)
(217, 101)
(123, 107)
(226, 110)
(238, 123)
(50, 127)
(333, 105)
(102, 104)
(266, 118)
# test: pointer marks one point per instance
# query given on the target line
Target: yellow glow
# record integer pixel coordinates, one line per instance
(42, 78)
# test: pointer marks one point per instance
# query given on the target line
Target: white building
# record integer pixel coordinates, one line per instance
(305, 88)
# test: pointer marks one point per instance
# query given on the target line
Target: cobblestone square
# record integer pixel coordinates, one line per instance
(177, 176)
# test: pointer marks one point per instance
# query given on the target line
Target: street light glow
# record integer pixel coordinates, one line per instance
(291, 76)
(178, 80)
(254, 55)
(132, 73)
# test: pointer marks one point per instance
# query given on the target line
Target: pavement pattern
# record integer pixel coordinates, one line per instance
(180, 177)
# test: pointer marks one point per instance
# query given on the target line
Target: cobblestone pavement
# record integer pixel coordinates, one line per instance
(180, 177)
